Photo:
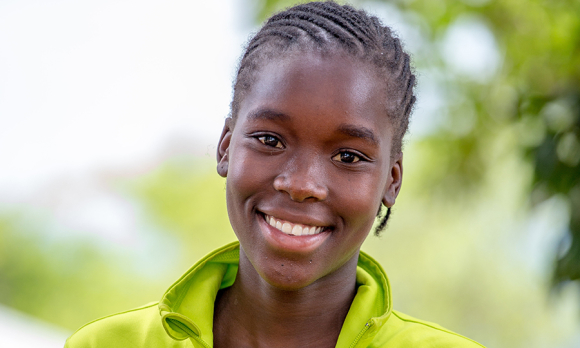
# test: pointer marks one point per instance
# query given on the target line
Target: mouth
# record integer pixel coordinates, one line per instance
(293, 237)
(292, 228)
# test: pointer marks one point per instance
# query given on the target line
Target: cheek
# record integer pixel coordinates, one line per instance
(242, 180)
(361, 198)
(240, 188)
(246, 181)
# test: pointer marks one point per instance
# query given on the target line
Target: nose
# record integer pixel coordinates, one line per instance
(302, 180)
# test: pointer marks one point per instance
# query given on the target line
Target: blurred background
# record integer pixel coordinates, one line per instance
(109, 116)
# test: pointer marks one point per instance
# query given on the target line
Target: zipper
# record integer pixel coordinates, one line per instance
(202, 342)
(361, 333)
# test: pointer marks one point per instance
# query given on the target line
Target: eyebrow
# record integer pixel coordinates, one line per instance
(267, 114)
(346, 129)
(358, 132)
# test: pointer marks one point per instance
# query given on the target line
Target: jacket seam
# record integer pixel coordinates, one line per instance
(436, 328)
(115, 314)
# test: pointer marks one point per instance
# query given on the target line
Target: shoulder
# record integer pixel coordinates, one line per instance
(139, 327)
(402, 330)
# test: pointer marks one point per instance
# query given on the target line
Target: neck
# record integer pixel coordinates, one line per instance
(253, 313)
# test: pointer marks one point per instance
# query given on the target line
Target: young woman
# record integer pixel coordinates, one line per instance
(310, 153)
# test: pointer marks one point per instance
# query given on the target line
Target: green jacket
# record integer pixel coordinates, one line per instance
(184, 316)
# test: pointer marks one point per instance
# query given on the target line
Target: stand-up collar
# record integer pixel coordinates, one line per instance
(187, 306)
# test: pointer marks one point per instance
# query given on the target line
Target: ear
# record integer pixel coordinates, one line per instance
(394, 181)
(223, 148)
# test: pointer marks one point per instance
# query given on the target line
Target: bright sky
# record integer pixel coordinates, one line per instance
(98, 84)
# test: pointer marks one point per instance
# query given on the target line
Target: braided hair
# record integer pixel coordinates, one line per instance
(327, 27)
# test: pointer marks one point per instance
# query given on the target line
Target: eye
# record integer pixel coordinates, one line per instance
(270, 140)
(346, 157)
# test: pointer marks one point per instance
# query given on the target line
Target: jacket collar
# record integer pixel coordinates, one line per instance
(186, 308)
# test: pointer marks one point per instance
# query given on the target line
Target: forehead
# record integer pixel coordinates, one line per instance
(331, 89)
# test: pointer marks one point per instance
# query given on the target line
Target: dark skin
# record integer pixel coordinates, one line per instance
(311, 147)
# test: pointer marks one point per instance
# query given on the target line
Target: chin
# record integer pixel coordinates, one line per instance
(287, 276)
(288, 283)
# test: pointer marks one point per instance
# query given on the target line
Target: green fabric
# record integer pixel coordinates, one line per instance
(184, 316)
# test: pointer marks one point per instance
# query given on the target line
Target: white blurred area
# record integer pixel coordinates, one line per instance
(88, 85)
(19, 330)
(96, 89)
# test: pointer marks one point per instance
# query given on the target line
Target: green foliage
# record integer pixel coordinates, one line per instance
(70, 281)
(540, 41)
(455, 261)
(65, 283)
(186, 197)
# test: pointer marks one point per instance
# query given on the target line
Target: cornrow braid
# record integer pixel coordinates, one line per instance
(329, 27)
(383, 220)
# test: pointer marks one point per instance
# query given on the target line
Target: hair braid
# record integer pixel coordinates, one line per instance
(329, 26)
(384, 219)
(345, 23)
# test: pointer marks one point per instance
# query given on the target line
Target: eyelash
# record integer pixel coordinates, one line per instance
(338, 157)
(262, 139)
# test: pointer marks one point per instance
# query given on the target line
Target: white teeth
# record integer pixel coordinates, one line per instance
(292, 228)
(297, 230)
(286, 228)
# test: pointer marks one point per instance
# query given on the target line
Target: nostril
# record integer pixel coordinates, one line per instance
(279, 183)
(300, 188)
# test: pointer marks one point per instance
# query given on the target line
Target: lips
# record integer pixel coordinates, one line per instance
(292, 228)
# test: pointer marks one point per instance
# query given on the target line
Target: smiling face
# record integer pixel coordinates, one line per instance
(308, 163)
